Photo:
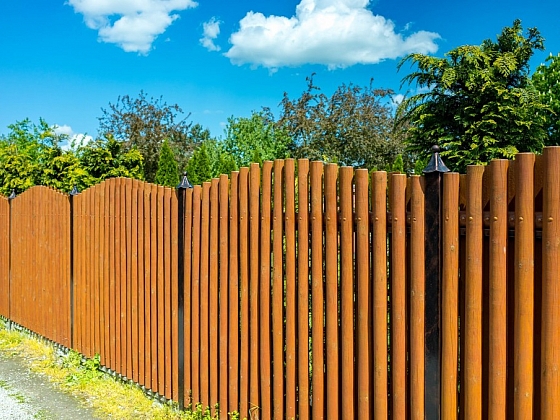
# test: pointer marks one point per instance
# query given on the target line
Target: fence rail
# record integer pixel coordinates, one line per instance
(300, 289)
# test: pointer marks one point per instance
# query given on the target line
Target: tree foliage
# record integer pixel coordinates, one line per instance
(255, 139)
(547, 82)
(355, 126)
(32, 154)
(200, 168)
(167, 173)
(478, 102)
(144, 124)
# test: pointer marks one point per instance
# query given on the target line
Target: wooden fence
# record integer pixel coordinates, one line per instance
(305, 290)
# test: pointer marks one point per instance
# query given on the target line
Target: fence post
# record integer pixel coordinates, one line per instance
(10, 198)
(73, 193)
(433, 265)
(184, 184)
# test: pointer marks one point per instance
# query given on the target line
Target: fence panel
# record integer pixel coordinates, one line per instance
(300, 281)
(40, 275)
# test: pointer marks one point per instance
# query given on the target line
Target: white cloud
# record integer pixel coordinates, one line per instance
(131, 24)
(72, 138)
(211, 30)
(335, 33)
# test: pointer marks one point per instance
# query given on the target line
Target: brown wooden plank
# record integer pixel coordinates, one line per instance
(317, 300)
(379, 234)
(223, 284)
(111, 184)
(524, 289)
(290, 276)
(214, 293)
(154, 356)
(347, 292)
(174, 251)
(233, 361)
(265, 336)
(167, 305)
(98, 269)
(278, 292)
(398, 295)
(472, 388)
(417, 300)
(160, 285)
(104, 220)
(303, 289)
(450, 295)
(254, 342)
(363, 291)
(498, 290)
(331, 277)
(195, 294)
(187, 293)
(134, 281)
(550, 335)
(141, 272)
(147, 285)
(204, 297)
(243, 188)
(118, 277)
(129, 258)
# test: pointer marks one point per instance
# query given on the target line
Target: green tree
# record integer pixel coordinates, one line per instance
(355, 126)
(478, 102)
(199, 168)
(167, 173)
(547, 82)
(107, 158)
(144, 124)
(255, 139)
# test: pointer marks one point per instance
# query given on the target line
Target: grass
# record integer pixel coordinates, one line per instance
(108, 396)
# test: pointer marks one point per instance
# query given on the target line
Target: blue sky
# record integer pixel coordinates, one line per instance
(64, 60)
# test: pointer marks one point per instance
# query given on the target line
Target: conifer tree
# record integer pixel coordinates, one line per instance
(167, 173)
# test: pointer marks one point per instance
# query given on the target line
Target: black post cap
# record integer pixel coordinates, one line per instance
(74, 190)
(435, 164)
(184, 184)
(12, 195)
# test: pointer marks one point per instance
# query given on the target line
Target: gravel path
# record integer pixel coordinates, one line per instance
(27, 395)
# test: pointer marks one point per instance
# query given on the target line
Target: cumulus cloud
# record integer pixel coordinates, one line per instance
(72, 138)
(131, 24)
(335, 33)
(211, 30)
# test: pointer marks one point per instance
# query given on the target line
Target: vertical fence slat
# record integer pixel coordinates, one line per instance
(204, 296)
(147, 285)
(167, 305)
(214, 324)
(265, 351)
(317, 310)
(195, 294)
(450, 295)
(244, 291)
(472, 360)
(331, 283)
(347, 292)
(416, 296)
(398, 296)
(379, 249)
(135, 348)
(129, 279)
(498, 287)
(234, 294)
(524, 290)
(112, 271)
(254, 214)
(303, 289)
(153, 287)
(364, 293)
(224, 272)
(550, 374)
(278, 291)
(141, 286)
(290, 317)
(187, 324)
